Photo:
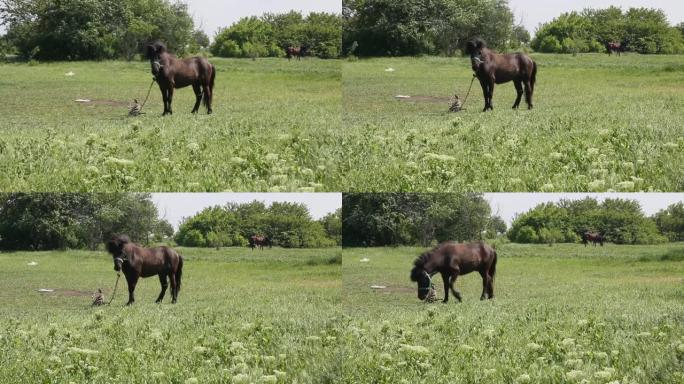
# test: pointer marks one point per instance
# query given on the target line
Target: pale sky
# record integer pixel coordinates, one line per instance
(507, 205)
(214, 14)
(534, 12)
(175, 206)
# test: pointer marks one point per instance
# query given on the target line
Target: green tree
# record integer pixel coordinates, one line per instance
(93, 29)
(670, 222)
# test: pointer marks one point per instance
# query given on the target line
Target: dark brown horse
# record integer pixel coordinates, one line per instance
(452, 260)
(259, 241)
(614, 47)
(594, 237)
(136, 262)
(297, 52)
(171, 72)
(494, 68)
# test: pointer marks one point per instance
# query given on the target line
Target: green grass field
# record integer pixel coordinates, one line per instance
(599, 123)
(276, 126)
(562, 314)
(267, 316)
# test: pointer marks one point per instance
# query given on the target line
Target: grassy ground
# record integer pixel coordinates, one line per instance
(562, 314)
(276, 126)
(242, 317)
(599, 123)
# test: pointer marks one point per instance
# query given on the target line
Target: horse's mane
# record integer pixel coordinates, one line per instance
(419, 264)
(116, 243)
(478, 42)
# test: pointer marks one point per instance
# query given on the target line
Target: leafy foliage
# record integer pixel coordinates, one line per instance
(94, 30)
(670, 221)
(44, 221)
(270, 34)
(288, 225)
(621, 221)
(641, 30)
(415, 27)
(379, 219)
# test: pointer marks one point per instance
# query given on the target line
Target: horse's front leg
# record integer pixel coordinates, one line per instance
(491, 94)
(164, 284)
(445, 279)
(164, 97)
(485, 93)
(132, 280)
(456, 293)
(169, 98)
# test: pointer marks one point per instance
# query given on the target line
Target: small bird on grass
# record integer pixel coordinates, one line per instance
(135, 109)
(98, 298)
(455, 104)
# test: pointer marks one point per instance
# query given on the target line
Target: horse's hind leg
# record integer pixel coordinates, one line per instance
(208, 93)
(528, 94)
(519, 90)
(169, 99)
(174, 287)
(198, 97)
(164, 284)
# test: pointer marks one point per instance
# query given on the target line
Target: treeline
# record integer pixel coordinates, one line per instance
(381, 219)
(431, 27)
(45, 221)
(640, 30)
(621, 221)
(270, 34)
(96, 29)
(286, 224)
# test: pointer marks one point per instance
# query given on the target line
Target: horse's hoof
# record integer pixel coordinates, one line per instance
(209, 112)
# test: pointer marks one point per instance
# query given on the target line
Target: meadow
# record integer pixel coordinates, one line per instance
(242, 316)
(275, 127)
(562, 314)
(599, 123)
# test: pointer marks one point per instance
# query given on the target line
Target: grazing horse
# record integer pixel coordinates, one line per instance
(451, 260)
(136, 261)
(494, 68)
(259, 241)
(171, 72)
(594, 237)
(614, 47)
(297, 52)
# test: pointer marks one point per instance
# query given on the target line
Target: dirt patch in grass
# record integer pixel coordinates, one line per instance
(425, 99)
(108, 103)
(68, 293)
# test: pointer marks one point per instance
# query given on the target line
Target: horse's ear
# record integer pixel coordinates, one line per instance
(479, 44)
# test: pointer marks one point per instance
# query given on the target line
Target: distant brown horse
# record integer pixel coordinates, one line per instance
(171, 72)
(614, 47)
(452, 260)
(297, 52)
(259, 241)
(594, 237)
(494, 68)
(136, 261)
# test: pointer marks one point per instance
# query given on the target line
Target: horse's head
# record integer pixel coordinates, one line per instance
(154, 52)
(115, 247)
(422, 277)
(475, 48)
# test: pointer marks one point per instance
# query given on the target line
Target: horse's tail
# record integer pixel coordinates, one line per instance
(492, 268)
(179, 273)
(533, 78)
